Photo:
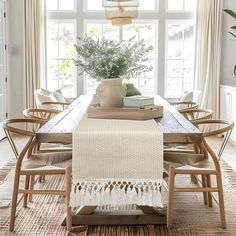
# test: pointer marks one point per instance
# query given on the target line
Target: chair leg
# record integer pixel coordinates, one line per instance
(221, 201)
(35, 148)
(210, 202)
(204, 185)
(32, 179)
(196, 148)
(38, 147)
(68, 190)
(14, 201)
(42, 179)
(27, 181)
(227, 136)
(193, 179)
(171, 181)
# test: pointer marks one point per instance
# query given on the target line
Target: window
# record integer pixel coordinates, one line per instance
(144, 5)
(147, 5)
(181, 5)
(61, 72)
(95, 31)
(179, 59)
(94, 5)
(145, 30)
(171, 33)
(60, 5)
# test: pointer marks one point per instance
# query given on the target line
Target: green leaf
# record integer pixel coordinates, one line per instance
(235, 70)
(103, 58)
(233, 27)
(231, 13)
(232, 34)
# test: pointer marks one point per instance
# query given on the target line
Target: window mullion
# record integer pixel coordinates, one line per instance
(183, 77)
(120, 33)
(45, 62)
(58, 54)
(161, 49)
(81, 81)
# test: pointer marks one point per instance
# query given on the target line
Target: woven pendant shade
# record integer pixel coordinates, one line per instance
(121, 21)
(121, 12)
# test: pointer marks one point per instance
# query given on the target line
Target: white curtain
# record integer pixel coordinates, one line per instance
(33, 18)
(208, 52)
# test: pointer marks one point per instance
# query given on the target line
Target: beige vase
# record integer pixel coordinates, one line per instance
(111, 93)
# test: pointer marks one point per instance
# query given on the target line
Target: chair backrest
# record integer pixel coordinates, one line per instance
(41, 114)
(53, 99)
(197, 114)
(21, 128)
(216, 127)
(184, 106)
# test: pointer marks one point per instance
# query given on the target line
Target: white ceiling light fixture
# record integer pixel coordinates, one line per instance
(121, 12)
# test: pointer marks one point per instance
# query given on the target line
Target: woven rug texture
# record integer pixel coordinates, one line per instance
(191, 216)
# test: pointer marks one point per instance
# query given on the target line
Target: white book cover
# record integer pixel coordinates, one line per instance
(138, 101)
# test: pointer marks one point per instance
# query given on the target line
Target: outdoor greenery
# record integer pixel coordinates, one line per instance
(106, 59)
(60, 52)
(233, 28)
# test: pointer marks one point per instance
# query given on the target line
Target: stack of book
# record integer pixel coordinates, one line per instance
(138, 101)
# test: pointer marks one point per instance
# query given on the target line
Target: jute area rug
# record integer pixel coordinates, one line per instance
(191, 216)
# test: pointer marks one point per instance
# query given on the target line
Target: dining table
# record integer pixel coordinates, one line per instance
(176, 130)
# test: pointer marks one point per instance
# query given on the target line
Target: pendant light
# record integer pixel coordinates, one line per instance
(121, 12)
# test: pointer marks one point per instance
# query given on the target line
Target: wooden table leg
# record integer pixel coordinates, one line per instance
(85, 210)
(151, 210)
(89, 215)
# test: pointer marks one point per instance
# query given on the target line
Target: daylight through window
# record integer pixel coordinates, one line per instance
(170, 32)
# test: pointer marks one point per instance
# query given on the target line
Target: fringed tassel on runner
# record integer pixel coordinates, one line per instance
(116, 193)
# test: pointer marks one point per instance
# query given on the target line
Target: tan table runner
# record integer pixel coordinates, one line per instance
(117, 162)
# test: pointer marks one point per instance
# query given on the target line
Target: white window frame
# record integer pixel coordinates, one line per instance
(141, 21)
(65, 11)
(177, 11)
(160, 15)
(93, 21)
(181, 21)
(59, 20)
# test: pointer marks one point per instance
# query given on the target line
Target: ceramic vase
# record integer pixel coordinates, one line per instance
(111, 93)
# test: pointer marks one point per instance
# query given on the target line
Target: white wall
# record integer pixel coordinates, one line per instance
(228, 60)
(15, 99)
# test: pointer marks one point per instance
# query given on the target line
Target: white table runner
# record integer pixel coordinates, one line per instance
(117, 162)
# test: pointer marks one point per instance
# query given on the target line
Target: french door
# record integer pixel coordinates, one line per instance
(2, 66)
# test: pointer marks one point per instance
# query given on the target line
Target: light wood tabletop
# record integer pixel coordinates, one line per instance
(175, 127)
